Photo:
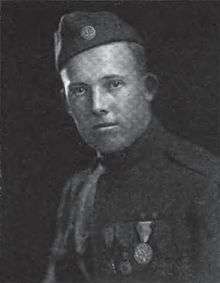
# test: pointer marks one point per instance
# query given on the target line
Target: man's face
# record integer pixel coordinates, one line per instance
(107, 97)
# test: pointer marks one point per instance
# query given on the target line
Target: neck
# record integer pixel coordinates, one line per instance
(134, 152)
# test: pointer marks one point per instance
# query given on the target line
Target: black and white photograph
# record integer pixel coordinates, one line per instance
(110, 149)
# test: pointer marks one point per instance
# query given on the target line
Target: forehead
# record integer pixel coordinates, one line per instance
(93, 64)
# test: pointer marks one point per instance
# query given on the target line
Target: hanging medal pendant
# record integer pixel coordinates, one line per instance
(113, 268)
(125, 267)
(143, 252)
(108, 234)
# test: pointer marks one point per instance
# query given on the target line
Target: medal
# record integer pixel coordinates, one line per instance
(143, 253)
(124, 234)
(108, 236)
(125, 267)
(113, 268)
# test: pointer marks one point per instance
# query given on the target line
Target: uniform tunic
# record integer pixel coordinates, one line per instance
(162, 183)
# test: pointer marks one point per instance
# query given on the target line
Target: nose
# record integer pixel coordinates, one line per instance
(99, 102)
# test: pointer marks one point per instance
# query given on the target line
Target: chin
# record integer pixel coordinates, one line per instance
(108, 149)
(110, 143)
(110, 146)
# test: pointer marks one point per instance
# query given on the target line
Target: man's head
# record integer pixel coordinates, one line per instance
(107, 91)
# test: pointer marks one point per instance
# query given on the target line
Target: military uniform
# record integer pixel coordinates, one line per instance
(148, 214)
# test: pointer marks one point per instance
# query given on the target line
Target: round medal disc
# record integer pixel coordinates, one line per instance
(125, 267)
(143, 253)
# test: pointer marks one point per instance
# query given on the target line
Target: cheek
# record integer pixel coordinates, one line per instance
(80, 115)
(132, 109)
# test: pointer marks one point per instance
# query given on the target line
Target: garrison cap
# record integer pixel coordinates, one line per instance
(80, 31)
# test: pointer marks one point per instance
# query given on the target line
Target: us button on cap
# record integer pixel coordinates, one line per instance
(88, 32)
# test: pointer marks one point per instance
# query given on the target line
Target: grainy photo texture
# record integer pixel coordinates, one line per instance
(111, 163)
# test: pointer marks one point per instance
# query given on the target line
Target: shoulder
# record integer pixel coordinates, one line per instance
(193, 157)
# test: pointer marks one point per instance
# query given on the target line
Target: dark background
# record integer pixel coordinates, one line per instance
(40, 145)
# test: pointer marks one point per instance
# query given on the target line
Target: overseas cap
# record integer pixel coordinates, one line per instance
(80, 31)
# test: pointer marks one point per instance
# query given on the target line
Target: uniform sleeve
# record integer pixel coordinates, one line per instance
(213, 235)
(209, 235)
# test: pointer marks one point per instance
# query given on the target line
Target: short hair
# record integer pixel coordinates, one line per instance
(139, 54)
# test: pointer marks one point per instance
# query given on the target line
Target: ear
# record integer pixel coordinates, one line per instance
(152, 85)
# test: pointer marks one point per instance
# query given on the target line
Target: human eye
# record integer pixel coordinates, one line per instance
(115, 84)
(78, 91)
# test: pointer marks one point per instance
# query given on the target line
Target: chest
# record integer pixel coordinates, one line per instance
(162, 195)
(154, 190)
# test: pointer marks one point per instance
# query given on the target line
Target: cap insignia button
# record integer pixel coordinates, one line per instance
(88, 32)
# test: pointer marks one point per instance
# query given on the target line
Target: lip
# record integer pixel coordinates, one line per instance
(101, 126)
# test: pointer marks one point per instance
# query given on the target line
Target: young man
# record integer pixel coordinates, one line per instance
(146, 209)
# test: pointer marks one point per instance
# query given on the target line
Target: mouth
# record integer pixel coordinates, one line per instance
(103, 126)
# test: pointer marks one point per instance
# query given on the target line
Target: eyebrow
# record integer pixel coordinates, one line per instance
(75, 84)
(112, 77)
(107, 77)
